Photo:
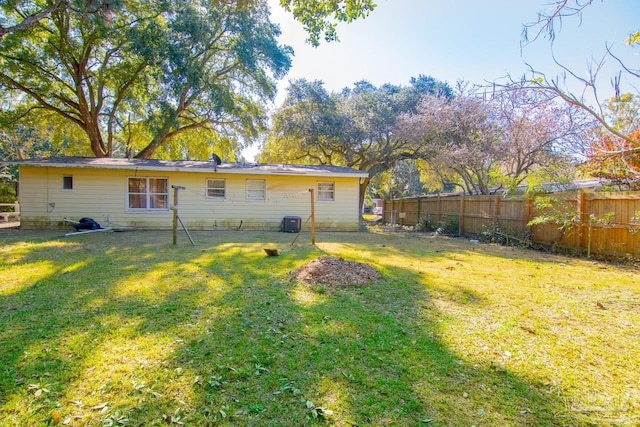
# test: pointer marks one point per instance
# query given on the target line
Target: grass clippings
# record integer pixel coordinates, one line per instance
(127, 329)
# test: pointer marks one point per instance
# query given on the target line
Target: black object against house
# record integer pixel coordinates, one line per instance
(86, 224)
(216, 159)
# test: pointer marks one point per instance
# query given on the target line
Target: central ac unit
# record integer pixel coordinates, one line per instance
(291, 224)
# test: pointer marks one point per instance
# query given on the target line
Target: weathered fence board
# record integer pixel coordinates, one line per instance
(602, 223)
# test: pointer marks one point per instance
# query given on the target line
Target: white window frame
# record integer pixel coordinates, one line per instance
(257, 190)
(64, 182)
(210, 187)
(326, 194)
(149, 196)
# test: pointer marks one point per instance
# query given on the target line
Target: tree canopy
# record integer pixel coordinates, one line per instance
(484, 141)
(149, 78)
(319, 17)
(611, 157)
(458, 137)
(150, 75)
(354, 128)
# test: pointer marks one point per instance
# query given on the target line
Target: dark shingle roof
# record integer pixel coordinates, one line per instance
(191, 166)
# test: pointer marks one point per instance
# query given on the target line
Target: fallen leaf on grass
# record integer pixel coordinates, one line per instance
(102, 406)
(67, 421)
(528, 329)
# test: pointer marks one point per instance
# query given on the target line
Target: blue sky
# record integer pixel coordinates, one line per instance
(450, 40)
(473, 40)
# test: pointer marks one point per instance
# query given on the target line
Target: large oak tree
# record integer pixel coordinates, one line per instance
(354, 127)
(154, 72)
(319, 17)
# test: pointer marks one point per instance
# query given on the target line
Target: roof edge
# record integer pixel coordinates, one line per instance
(190, 166)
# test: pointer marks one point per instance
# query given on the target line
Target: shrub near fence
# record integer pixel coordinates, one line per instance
(602, 223)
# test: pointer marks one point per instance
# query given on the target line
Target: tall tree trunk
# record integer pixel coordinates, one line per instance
(97, 143)
(364, 183)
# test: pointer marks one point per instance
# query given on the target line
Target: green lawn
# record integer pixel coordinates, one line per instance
(126, 329)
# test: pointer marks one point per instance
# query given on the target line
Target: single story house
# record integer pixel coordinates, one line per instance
(138, 193)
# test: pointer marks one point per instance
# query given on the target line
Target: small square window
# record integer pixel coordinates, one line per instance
(216, 188)
(326, 191)
(256, 189)
(67, 182)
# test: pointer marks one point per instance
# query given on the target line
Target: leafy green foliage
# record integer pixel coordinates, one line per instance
(451, 226)
(41, 134)
(354, 128)
(8, 191)
(554, 210)
(426, 224)
(135, 76)
(402, 180)
(320, 17)
(558, 211)
(154, 72)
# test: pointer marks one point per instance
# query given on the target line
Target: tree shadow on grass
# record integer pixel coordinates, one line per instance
(361, 356)
(217, 333)
(56, 325)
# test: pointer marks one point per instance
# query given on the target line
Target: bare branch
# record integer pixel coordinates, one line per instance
(635, 73)
(31, 20)
(545, 25)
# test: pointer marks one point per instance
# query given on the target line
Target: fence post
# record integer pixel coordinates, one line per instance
(418, 219)
(496, 212)
(461, 220)
(439, 210)
(385, 209)
(393, 209)
(528, 213)
(582, 212)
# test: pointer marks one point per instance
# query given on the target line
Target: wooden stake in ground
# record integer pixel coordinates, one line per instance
(313, 218)
(176, 218)
(176, 188)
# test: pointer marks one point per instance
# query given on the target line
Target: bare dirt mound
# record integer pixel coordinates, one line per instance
(336, 272)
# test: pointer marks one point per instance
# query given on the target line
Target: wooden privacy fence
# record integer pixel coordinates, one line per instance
(599, 223)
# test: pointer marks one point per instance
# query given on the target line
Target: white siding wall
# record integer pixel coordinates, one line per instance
(102, 195)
